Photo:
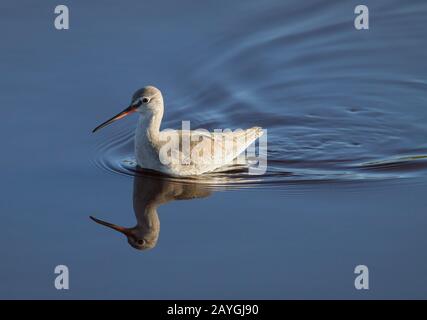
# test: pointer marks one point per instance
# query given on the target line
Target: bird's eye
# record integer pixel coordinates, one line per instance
(145, 100)
(140, 241)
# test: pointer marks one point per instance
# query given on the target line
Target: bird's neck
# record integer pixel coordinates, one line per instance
(149, 218)
(148, 224)
(150, 125)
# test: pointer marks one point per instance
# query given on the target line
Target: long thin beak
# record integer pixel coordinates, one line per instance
(131, 109)
(120, 229)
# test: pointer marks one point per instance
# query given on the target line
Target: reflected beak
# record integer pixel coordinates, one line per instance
(131, 109)
(123, 230)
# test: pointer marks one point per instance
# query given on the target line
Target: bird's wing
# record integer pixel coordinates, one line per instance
(206, 150)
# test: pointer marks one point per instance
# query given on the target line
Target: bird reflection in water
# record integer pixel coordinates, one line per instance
(149, 192)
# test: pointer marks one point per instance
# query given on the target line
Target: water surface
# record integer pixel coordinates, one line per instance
(345, 112)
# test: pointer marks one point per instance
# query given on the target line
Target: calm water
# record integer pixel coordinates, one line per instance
(346, 117)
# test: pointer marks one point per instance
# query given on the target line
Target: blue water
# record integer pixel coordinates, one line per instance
(346, 116)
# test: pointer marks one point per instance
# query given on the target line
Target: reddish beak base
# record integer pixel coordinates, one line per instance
(124, 113)
(120, 229)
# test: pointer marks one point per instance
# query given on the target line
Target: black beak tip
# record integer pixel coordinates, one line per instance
(97, 128)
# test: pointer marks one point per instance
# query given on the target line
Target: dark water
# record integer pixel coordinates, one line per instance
(346, 116)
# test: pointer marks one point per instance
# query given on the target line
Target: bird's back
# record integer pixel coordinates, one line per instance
(184, 152)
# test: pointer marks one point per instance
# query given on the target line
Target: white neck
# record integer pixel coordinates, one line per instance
(149, 125)
(147, 139)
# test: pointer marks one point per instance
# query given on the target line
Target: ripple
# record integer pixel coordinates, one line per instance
(338, 105)
(115, 155)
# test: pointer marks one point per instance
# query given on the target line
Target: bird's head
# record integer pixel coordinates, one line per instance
(135, 236)
(147, 101)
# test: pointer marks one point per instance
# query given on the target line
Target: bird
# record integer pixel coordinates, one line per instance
(179, 153)
(149, 192)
